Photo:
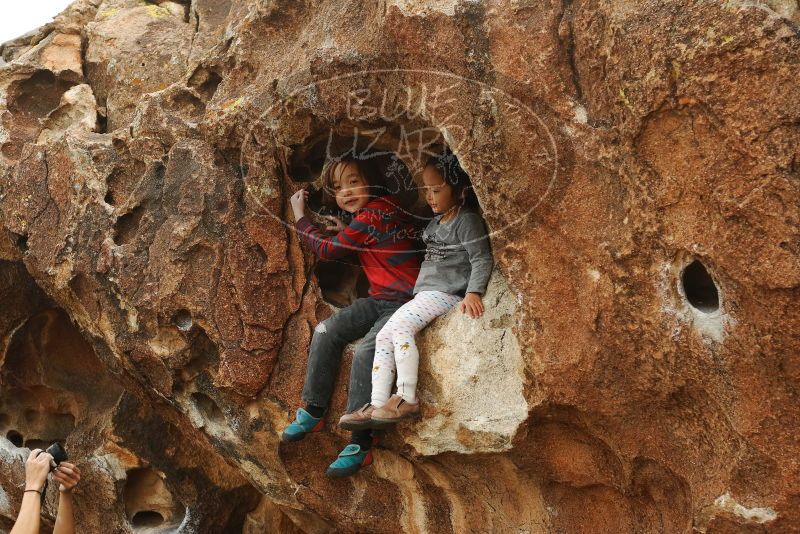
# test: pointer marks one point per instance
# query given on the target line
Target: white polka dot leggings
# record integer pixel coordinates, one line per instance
(396, 349)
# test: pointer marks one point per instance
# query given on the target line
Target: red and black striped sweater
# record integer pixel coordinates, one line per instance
(384, 240)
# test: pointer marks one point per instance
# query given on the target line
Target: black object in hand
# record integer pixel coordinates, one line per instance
(59, 454)
(56, 450)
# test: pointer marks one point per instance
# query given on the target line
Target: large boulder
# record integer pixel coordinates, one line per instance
(637, 164)
(474, 380)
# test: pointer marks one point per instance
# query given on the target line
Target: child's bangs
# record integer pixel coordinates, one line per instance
(366, 167)
(328, 171)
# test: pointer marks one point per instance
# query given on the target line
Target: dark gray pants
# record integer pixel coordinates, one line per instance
(362, 319)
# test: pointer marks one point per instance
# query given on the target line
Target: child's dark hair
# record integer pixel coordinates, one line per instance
(367, 167)
(447, 165)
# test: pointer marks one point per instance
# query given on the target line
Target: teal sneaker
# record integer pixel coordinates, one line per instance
(303, 424)
(350, 460)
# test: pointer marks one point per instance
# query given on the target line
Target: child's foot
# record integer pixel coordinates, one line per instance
(303, 424)
(358, 420)
(396, 409)
(350, 460)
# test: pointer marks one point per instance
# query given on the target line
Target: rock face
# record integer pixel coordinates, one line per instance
(638, 164)
(474, 385)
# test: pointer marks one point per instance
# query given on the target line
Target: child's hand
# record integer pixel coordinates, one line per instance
(298, 202)
(335, 224)
(472, 305)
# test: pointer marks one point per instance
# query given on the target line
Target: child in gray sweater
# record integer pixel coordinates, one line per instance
(458, 262)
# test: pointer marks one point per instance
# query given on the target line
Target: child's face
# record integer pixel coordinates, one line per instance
(350, 187)
(438, 193)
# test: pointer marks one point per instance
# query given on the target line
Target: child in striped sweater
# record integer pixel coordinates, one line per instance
(383, 239)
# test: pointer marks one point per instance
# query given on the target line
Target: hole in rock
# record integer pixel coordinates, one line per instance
(49, 372)
(148, 501)
(39, 428)
(699, 287)
(208, 408)
(49, 348)
(37, 444)
(29, 101)
(341, 282)
(306, 162)
(22, 242)
(183, 320)
(127, 226)
(15, 437)
(205, 81)
(37, 95)
(102, 123)
(204, 357)
(147, 518)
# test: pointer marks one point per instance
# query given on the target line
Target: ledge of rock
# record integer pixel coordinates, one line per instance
(472, 379)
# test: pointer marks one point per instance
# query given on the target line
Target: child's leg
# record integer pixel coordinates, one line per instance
(360, 387)
(411, 318)
(383, 368)
(330, 338)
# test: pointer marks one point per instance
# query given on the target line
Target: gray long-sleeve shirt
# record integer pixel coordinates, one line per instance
(458, 259)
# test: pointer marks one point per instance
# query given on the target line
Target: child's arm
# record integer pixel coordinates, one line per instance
(351, 239)
(472, 234)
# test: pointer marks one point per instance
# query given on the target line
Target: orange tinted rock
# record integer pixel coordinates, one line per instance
(638, 168)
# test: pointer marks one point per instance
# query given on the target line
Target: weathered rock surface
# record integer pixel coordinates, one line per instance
(638, 163)
(474, 380)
